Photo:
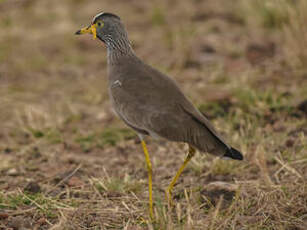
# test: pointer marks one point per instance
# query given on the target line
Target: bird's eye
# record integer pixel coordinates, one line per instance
(99, 23)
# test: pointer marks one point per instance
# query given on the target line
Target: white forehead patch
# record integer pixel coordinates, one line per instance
(96, 16)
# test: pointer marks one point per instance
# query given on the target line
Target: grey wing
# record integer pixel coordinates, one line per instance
(188, 126)
(158, 107)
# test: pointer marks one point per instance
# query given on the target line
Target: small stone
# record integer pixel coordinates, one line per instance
(208, 49)
(74, 182)
(7, 150)
(278, 127)
(41, 221)
(303, 106)
(16, 222)
(12, 172)
(71, 160)
(289, 143)
(32, 187)
(257, 53)
(3, 215)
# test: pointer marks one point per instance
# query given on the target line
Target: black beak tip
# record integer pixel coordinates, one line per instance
(78, 32)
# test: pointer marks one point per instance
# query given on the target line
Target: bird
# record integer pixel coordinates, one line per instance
(151, 103)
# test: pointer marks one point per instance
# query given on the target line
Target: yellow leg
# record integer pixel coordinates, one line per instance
(149, 178)
(191, 153)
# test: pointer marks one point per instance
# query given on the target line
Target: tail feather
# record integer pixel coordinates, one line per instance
(233, 154)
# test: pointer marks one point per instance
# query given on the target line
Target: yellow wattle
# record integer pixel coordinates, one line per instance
(94, 31)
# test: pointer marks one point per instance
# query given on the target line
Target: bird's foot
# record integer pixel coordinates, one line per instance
(168, 197)
(146, 220)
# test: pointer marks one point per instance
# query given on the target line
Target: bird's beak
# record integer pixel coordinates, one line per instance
(88, 30)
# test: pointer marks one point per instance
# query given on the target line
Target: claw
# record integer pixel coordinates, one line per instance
(168, 197)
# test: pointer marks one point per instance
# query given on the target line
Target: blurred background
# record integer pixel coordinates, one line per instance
(67, 161)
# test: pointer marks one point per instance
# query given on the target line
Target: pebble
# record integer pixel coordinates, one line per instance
(12, 172)
(32, 187)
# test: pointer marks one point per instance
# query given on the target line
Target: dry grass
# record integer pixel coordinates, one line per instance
(68, 163)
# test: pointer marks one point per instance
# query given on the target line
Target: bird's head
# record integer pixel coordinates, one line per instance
(105, 26)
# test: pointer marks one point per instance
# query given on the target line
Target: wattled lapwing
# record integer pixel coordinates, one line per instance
(150, 102)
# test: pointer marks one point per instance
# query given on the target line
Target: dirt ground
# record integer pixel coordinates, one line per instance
(67, 162)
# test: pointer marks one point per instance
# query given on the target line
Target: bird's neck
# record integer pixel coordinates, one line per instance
(117, 49)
